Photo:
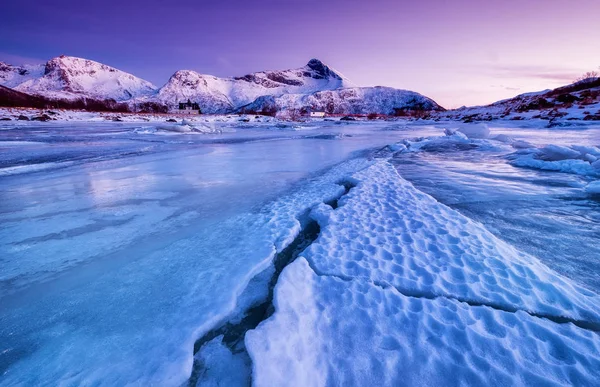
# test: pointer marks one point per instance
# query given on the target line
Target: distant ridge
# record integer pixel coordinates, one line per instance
(578, 101)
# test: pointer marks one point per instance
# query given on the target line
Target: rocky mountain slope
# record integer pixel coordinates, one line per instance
(355, 100)
(13, 98)
(578, 101)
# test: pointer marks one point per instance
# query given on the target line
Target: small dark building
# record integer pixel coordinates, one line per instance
(189, 107)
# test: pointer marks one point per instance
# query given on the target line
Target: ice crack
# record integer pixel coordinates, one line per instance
(584, 324)
(234, 328)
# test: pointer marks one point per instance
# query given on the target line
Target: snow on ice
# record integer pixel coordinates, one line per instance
(399, 289)
(329, 331)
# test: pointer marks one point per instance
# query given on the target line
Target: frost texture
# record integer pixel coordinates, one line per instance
(328, 331)
(402, 290)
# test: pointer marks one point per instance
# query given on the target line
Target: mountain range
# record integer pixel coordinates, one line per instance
(76, 83)
(81, 83)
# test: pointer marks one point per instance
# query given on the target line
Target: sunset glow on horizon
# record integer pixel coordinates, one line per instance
(458, 53)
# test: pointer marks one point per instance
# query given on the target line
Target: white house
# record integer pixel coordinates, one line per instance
(188, 107)
(317, 114)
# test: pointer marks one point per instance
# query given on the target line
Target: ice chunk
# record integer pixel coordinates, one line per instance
(475, 130)
(587, 150)
(593, 188)
(575, 166)
(397, 147)
(576, 159)
(504, 138)
(452, 141)
(449, 132)
(557, 153)
(175, 128)
(517, 144)
(521, 144)
(222, 366)
(187, 126)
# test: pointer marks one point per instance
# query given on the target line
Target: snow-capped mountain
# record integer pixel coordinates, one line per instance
(11, 76)
(355, 100)
(69, 78)
(218, 95)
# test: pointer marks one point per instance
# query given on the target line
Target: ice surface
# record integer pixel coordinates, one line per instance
(327, 331)
(544, 213)
(115, 263)
(114, 266)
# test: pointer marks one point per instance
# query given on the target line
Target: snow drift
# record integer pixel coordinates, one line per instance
(410, 292)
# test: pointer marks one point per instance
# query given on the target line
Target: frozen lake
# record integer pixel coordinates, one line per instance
(120, 246)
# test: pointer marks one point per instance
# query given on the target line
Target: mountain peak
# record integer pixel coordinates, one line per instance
(182, 74)
(314, 62)
(317, 65)
(322, 70)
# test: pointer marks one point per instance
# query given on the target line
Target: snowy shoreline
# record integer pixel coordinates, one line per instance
(28, 116)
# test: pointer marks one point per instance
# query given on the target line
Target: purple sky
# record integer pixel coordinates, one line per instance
(461, 52)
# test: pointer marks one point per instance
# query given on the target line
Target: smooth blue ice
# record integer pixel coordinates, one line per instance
(119, 247)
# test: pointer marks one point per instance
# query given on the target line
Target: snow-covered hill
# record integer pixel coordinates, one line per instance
(355, 100)
(219, 95)
(11, 76)
(579, 101)
(70, 78)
